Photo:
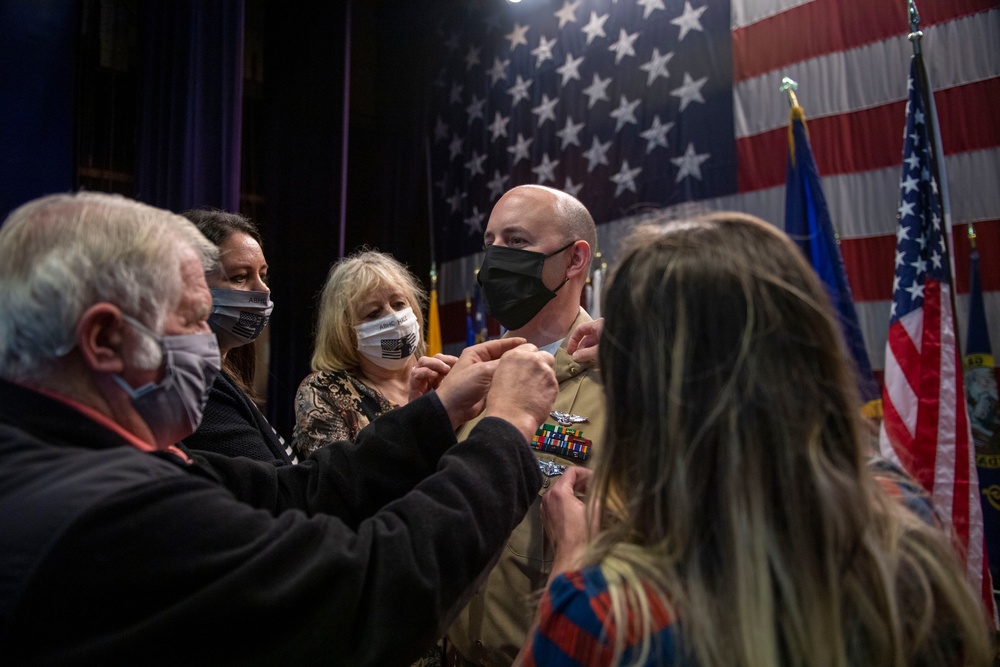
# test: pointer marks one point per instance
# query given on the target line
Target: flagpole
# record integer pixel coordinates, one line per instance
(915, 36)
(789, 86)
(430, 203)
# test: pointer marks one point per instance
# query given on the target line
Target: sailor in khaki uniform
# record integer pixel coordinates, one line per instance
(539, 244)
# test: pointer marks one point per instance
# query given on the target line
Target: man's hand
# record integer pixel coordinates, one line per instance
(582, 343)
(427, 374)
(524, 388)
(564, 516)
(463, 388)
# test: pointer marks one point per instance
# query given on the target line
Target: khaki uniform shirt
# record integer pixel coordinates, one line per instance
(494, 625)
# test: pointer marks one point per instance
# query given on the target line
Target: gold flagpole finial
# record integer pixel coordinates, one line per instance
(789, 86)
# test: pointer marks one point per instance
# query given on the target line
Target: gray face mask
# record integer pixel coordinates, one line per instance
(238, 316)
(173, 407)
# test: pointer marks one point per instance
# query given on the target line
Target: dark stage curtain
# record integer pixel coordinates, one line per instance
(191, 104)
(38, 56)
(303, 104)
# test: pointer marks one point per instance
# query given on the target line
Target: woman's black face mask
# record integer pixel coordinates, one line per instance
(513, 291)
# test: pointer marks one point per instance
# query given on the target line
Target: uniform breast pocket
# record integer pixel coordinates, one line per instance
(530, 552)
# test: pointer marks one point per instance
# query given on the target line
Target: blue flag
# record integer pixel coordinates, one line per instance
(984, 415)
(807, 222)
(470, 331)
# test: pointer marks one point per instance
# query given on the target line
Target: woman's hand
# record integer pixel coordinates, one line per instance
(564, 516)
(428, 373)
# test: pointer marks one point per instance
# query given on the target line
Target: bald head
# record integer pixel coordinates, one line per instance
(555, 225)
(553, 209)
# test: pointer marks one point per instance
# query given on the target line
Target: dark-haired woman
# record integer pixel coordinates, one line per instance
(241, 306)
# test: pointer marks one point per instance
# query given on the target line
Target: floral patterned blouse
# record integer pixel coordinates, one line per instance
(331, 406)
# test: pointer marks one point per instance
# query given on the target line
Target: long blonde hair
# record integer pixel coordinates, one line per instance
(350, 280)
(733, 475)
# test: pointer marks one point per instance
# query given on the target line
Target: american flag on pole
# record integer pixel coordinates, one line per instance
(546, 91)
(926, 426)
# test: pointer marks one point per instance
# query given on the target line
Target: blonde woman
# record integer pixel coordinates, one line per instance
(368, 339)
(735, 517)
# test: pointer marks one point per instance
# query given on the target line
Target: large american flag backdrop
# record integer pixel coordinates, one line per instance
(635, 105)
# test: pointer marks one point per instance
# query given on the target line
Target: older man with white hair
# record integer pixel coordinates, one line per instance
(117, 546)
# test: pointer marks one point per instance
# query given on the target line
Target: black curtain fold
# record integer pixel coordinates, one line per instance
(191, 104)
(37, 82)
(304, 47)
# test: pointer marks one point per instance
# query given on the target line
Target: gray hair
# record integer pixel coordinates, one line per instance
(61, 254)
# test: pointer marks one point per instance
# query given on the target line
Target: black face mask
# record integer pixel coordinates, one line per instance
(513, 291)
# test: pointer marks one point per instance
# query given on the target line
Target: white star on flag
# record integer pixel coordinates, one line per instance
(657, 66)
(625, 178)
(596, 154)
(624, 46)
(597, 91)
(689, 91)
(570, 69)
(546, 110)
(595, 28)
(475, 164)
(568, 13)
(649, 6)
(545, 170)
(475, 222)
(625, 113)
(905, 209)
(519, 91)
(455, 147)
(498, 128)
(520, 149)
(570, 134)
(689, 163)
(517, 36)
(475, 110)
(689, 20)
(543, 51)
(498, 72)
(472, 57)
(455, 201)
(656, 135)
(569, 187)
(497, 184)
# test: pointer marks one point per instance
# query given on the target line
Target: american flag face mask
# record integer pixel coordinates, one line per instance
(389, 341)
